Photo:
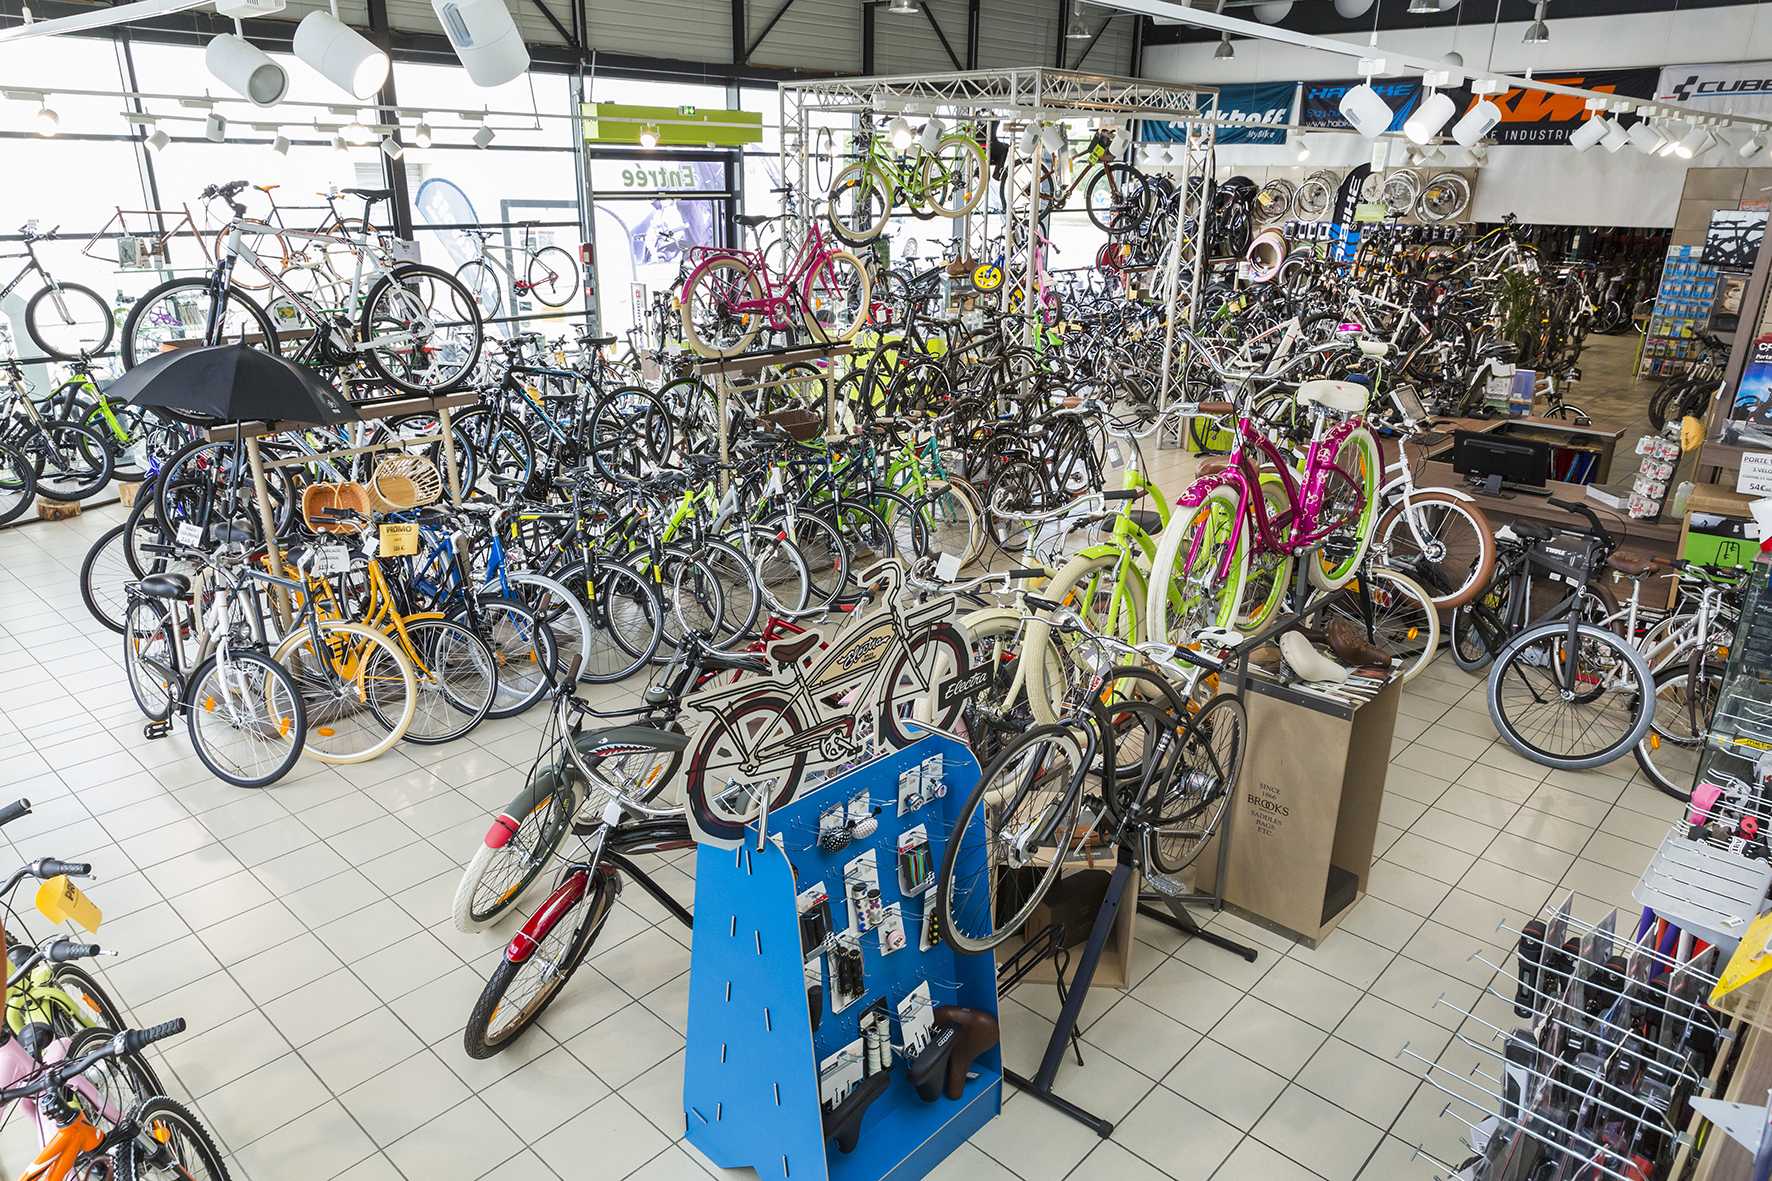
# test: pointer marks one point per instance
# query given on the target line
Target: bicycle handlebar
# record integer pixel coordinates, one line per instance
(1574, 506)
(14, 810)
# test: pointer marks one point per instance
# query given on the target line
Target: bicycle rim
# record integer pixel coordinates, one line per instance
(245, 718)
(1606, 709)
(1670, 752)
(358, 690)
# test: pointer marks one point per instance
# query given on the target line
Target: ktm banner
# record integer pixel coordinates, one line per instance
(1527, 116)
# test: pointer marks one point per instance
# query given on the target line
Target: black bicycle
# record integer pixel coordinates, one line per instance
(65, 320)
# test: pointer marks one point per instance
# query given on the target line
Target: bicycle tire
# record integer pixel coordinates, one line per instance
(872, 195)
(147, 658)
(560, 276)
(1669, 753)
(626, 617)
(94, 313)
(1458, 557)
(823, 550)
(719, 760)
(588, 913)
(456, 685)
(1406, 623)
(356, 713)
(1192, 798)
(556, 606)
(170, 1131)
(1185, 593)
(481, 281)
(1332, 571)
(283, 718)
(707, 306)
(455, 357)
(1108, 605)
(997, 636)
(617, 454)
(71, 462)
(1631, 717)
(136, 347)
(825, 291)
(1041, 758)
(18, 483)
(783, 580)
(522, 647)
(116, 1074)
(104, 578)
(497, 876)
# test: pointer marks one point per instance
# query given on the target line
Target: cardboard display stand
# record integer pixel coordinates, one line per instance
(1307, 808)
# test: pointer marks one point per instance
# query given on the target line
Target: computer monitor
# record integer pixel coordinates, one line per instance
(1497, 460)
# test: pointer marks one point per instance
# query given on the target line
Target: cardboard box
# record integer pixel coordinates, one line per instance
(1115, 968)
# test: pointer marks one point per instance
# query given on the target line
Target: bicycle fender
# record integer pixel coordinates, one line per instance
(1099, 551)
(621, 740)
(564, 897)
(543, 784)
(1194, 495)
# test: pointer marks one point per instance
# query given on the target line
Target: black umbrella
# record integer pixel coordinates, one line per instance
(232, 383)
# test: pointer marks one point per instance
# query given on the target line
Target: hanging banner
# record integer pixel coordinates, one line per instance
(1251, 103)
(1321, 104)
(1745, 87)
(1534, 117)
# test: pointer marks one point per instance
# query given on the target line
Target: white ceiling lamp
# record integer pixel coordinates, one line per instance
(649, 136)
(1076, 29)
(246, 69)
(1616, 136)
(339, 144)
(390, 149)
(1030, 138)
(1753, 147)
(344, 56)
(485, 38)
(1589, 133)
(1273, 12)
(900, 131)
(1427, 119)
(1352, 9)
(357, 133)
(1225, 49)
(931, 134)
(1536, 32)
(157, 141)
(483, 136)
(1366, 109)
(1688, 146)
(47, 122)
(1053, 138)
(1301, 151)
(904, 8)
(280, 145)
(1645, 138)
(215, 127)
(1477, 122)
(421, 136)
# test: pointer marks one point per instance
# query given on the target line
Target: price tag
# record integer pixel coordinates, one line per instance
(399, 539)
(331, 558)
(190, 533)
(60, 901)
(947, 567)
(1113, 455)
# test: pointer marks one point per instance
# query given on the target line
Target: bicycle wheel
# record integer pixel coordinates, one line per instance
(721, 308)
(953, 175)
(823, 550)
(171, 1144)
(179, 311)
(69, 461)
(1109, 599)
(457, 680)
(421, 330)
(860, 203)
(697, 601)
(631, 435)
(110, 1087)
(1349, 501)
(783, 580)
(358, 690)
(482, 283)
(498, 874)
(1017, 492)
(523, 650)
(93, 1006)
(932, 657)
(555, 606)
(740, 587)
(246, 719)
(1199, 571)
(1006, 847)
(148, 658)
(834, 298)
(1190, 799)
(1570, 706)
(1115, 198)
(497, 457)
(1405, 622)
(66, 320)
(18, 483)
(523, 985)
(553, 276)
(104, 579)
(748, 755)
(1669, 753)
(1442, 542)
(626, 617)
(998, 637)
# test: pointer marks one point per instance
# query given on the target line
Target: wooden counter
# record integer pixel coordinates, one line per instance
(1600, 435)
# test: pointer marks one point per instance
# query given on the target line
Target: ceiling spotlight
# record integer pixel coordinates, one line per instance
(1429, 117)
(1225, 49)
(903, 8)
(158, 140)
(1453, 58)
(421, 136)
(1350, 9)
(339, 144)
(1053, 138)
(1424, 7)
(1616, 136)
(1273, 12)
(48, 122)
(246, 69)
(215, 127)
(649, 136)
(1645, 138)
(1301, 151)
(1076, 29)
(1672, 146)
(900, 130)
(1589, 133)
(392, 150)
(342, 54)
(485, 38)
(357, 133)
(1754, 146)
(280, 145)
(931, 134)
(1689, 146)
(1477, 122)
(1536, 33)
(1030, 138)
(482, 137)
(1370, 115)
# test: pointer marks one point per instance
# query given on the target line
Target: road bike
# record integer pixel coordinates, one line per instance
(65, 320)
(550, 273)
(947, 181)
(730, 295)
(1116, 195)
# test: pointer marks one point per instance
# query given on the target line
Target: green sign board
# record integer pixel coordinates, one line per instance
(1369, 211)
(683, 127)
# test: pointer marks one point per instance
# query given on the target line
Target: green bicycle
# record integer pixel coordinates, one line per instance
(944, 181)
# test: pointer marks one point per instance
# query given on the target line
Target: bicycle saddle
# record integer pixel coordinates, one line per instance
(790, 651)
(370, 194)
(929, 1072)
(165, 586)
(231, 534)
(1347, 641)
(1345, 396)
(843, 1122)
(753, 219)
(1212, 465)
(1147, 519)
(1530, 531)
(1631, 564)
(1307, 662)
(978, 1032)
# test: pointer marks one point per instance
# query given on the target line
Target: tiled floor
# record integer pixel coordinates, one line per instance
(304, 931)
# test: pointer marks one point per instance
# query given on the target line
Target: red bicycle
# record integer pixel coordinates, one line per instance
(730, 295)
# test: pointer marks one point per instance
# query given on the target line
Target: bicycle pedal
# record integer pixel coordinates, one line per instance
(1165, 885)
(157, 730)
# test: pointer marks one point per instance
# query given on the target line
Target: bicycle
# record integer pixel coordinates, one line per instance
(65, 320)
(730, 294)
(67, 461)
(550, 272)
(948, 180)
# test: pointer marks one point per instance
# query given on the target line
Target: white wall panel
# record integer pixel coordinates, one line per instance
(1017, 33)
(693, 30)
(814, 34)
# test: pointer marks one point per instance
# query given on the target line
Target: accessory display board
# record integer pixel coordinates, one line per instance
(815, 971)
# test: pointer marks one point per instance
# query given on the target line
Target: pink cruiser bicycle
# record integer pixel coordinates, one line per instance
(730, 295)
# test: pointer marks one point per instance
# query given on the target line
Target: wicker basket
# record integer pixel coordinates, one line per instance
(801, 425)
(316, 497)
(404, 482)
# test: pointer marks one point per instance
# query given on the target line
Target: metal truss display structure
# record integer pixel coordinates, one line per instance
(1016, 97)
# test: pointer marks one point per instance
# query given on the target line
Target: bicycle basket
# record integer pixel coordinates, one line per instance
(801, 425)
(316, 497)
(404, 482)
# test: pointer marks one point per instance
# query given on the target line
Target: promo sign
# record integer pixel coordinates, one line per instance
(1745, 87)
(1251, 104)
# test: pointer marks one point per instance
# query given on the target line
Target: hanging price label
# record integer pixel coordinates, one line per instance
(331, 559)
(399, 539)
(190, 533)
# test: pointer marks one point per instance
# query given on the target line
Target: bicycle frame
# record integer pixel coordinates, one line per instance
(779, 294)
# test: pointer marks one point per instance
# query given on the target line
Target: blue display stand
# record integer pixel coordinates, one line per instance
(751, 1077)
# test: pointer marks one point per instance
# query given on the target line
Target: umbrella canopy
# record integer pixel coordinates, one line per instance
(233, 383)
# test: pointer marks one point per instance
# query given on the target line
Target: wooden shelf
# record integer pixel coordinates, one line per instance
(753, 362)
(368, 411)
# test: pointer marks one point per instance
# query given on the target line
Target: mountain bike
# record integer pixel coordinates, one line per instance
(947, 181)
(65, 320)
(68, 461)
(550, 273)
(730, 295)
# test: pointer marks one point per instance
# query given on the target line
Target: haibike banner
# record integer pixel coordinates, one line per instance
(1534, 117)
(1252, 103)
(1745, 87)
(1321, 104)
